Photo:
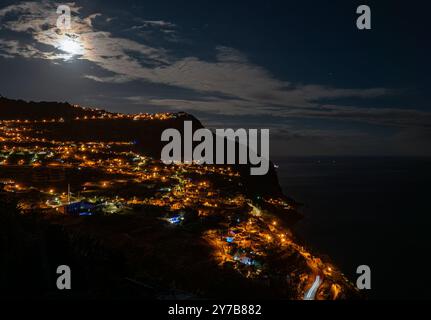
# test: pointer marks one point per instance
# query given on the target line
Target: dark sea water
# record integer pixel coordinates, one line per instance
(372, 211)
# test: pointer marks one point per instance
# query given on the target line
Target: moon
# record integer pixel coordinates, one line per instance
(71, 46)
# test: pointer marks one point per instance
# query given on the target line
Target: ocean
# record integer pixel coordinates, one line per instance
(371, 211)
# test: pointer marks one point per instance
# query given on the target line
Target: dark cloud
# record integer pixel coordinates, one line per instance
(225, 83)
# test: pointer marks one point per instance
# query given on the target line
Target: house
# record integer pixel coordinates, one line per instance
(80, 208)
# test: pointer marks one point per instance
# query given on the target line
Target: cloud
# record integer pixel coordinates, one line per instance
(12, 48)
(229, 84)
(113, 79)
(154, 23)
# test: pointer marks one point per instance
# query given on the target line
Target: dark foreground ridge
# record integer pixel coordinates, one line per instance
(84, 187)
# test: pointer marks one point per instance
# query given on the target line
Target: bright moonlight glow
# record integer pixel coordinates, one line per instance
(71, 46)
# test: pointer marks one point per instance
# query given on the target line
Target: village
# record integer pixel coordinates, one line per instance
(77, 180)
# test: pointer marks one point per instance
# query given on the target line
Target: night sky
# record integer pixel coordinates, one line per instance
(300, 68)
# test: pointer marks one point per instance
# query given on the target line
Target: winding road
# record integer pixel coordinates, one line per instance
(311, 293)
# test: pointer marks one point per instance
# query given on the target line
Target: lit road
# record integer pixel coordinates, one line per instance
(311, 293)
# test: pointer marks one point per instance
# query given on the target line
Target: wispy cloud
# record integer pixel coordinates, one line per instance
(153, 23)
(229, 84)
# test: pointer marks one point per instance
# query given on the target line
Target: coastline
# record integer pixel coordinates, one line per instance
(348, 205)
